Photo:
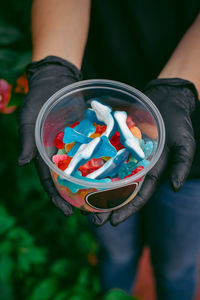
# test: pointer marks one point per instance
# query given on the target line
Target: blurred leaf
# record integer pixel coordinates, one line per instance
(96, 284)
(80, 293)
(83, 277)
(30, 256)
(21, 236)
(5, 247)
(6, 267)
(16, 99)
(62, 267)
(9, 34)
(45, 290)
(37, 255)
(6, 221)
(116, 294)
(86, 242)
(63, 295)
(7, 59)
(23, 60)
(13, 63)
(23, 263)
(6, 292)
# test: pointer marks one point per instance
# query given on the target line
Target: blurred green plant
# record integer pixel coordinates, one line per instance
(43, 255)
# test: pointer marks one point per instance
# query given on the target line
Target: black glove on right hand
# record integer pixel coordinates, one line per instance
(176, 100)
(45, 77)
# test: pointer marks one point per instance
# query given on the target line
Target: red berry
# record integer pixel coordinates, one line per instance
(130, 122)
(74, 124)
(58, 141)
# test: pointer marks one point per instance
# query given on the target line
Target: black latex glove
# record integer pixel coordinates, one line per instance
(45, 77)
(176, 100)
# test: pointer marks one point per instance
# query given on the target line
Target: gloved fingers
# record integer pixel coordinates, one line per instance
(27, 141)
(145, 193)
(49, 187)
(123, 213)
(182, 157)
(63, 205)
(101, 218)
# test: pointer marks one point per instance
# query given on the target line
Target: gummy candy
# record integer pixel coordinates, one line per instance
(86, 128)
(91, 166)
(130, 122)
(126, 137)
(91, 115)
(126, 169)
(106, 158)
(94, 135)
(115, 141)
(144, 163)
(71, 135)
(69, 146)
(74, 124)
(104, 144)
(110, 168)
(63, 164)
(136, 132)
(131, 158)
(59, 157)
(138, 169)
(83, 154)
(96, 148)
(58, 141)
(62, 151)
(73, 187)
(100, 129)
(115, 179)
(103, 113)
(148, 148)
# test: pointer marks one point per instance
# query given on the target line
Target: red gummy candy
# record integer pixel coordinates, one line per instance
(74, 124)
(91, 166)
(100, 129)
(135, 171)
(115, 141)
(130, 122)
(58, 141)
(64, 163)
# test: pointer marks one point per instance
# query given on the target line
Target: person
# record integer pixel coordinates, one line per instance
(153, 46)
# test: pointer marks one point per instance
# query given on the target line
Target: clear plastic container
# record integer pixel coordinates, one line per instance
(58, 113)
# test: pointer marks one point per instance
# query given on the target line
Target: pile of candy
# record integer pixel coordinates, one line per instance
(105, 146)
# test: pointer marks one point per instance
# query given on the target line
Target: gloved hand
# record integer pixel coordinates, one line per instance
(45, 77)
(176, 100)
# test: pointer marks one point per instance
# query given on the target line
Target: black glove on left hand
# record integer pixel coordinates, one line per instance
(176, 100)
(45, 77)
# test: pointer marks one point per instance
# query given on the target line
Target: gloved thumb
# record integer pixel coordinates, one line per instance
(27, 141)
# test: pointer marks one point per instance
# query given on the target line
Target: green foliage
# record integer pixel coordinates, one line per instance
(15, 42)
(117, 294)
(43, 255)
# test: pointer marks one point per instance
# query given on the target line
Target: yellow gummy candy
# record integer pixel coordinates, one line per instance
(69, 146)
(94, 135)
(106, 158)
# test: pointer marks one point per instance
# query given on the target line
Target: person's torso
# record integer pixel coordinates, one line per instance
(131, 40)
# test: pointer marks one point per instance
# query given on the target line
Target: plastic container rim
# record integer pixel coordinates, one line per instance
(98, 83)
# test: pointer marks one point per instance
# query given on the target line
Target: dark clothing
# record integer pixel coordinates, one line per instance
(131, 41)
